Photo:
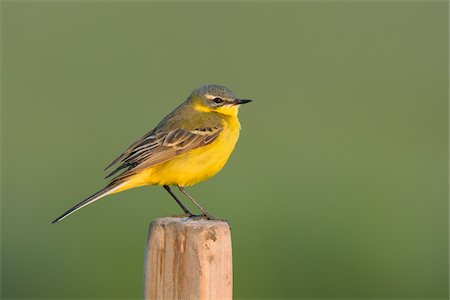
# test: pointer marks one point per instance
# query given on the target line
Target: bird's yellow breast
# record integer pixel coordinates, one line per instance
(193, 166)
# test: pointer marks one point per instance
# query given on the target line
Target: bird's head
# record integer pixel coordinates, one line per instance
(216, 98)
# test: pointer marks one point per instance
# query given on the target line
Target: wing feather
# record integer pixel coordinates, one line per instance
(160, 146)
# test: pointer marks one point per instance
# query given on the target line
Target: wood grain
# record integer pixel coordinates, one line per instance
(188, 259)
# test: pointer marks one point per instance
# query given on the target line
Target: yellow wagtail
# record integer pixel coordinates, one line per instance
(189, 145)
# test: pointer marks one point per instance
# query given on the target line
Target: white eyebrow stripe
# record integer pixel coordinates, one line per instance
(211, 97)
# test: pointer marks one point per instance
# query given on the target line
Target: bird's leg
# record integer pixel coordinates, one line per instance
(186, 211)
(205, 213)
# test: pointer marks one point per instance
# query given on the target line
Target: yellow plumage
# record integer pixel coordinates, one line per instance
(191, 167)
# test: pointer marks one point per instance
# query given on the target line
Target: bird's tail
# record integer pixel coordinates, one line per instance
(109, 189)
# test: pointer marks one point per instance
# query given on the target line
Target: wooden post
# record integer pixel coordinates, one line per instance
(188, 259)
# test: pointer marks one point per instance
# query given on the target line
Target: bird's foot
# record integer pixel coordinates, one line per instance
(201, 217)
(181, 216)
(213, 218)
(195, 217)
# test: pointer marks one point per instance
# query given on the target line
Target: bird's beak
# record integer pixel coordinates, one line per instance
(241, 101)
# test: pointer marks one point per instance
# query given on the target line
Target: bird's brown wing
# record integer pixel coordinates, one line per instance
(130, 149)
(159, 146)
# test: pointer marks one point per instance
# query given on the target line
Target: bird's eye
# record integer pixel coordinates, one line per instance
(217, 100)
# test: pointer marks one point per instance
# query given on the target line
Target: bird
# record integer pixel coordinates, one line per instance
(190, 145)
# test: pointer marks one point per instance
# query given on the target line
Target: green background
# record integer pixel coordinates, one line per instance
(338, 187)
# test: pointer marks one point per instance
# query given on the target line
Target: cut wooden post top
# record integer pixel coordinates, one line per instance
(190, 222)
(188, 259)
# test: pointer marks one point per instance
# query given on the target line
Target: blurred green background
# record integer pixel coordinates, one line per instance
(338, 187)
